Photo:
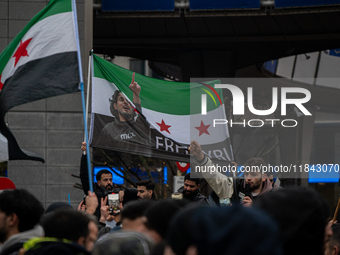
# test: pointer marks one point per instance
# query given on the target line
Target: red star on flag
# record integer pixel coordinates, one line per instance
(1, 84)
(21, 51)
(163, 126)
(203, 129)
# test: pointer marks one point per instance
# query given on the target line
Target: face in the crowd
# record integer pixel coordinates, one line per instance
(254, 179)
(105, 181)
(190, 188)
(4, 230)
(124, 108)
(143, 193)
(92, 236)
(328, 234)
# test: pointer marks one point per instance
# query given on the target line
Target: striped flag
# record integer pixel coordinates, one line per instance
(40, 62)
(168, 118)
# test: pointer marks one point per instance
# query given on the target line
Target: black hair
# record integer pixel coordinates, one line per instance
(150, 185)
(27, 207)
(303, 231)
(160, 214)
(255, 162)
(136, 209)
(67, 224)
(196, 180)
(113, 100)
(99, 174)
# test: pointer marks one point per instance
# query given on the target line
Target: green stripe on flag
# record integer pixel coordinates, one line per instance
(53, 7)
(168, 97)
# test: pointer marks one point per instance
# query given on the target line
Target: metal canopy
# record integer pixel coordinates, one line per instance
(254, 35)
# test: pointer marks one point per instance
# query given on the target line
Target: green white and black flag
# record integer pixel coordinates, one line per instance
(166, 119)
(40, 62)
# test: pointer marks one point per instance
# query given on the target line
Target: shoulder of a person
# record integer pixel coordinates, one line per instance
(13, 249)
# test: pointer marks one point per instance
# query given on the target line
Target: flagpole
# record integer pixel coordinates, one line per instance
(82, 95)
(88, 91)
(88, 86)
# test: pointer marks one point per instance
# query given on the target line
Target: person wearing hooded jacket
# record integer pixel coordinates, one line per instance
(20, 213)
(238, 190)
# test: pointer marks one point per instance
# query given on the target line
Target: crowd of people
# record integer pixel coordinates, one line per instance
(257, 220)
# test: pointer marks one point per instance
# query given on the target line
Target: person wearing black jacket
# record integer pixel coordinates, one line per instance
(104, 184)
(190, 190)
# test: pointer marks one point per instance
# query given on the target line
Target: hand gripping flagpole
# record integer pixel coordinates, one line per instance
(82, 95)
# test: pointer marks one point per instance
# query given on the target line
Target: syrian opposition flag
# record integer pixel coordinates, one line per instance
(171, 110)
(42, 61)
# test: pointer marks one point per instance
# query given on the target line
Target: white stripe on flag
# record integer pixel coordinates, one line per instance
(183, 128)
(52, 35)
(102, 91)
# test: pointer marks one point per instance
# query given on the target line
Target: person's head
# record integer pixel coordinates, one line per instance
(19, 211)
(303, 217)
(104, 179)
(191, 186)
(132, 214)
(145, 189)
(333, 245)
(58, 206)
(124, 242)
(223, 230)
(253, 173)
(158, 216)
(120, 107)
(72, 225)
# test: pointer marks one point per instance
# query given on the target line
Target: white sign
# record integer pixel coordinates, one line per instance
(178, 182)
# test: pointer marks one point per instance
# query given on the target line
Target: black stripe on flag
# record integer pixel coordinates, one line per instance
(42, 78)
(51, 76)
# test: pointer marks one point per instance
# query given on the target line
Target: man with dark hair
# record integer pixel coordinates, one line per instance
(145, 189)
(223, 230)
(190, 190)
(158, 217)
(72, 225)
(129, 130)
(66, 232)
(20, 213)
(104, 184)
(132, 214)
(101, 187)
(104, 179)
(238, 190)
(255, 181)
(303, 217)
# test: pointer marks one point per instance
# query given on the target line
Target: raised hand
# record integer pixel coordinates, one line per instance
(134, 86)
(196, 150)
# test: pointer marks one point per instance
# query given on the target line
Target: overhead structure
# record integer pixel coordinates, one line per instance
(208, 34)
